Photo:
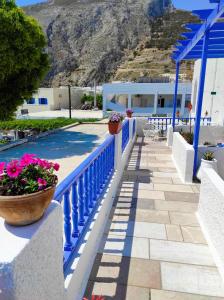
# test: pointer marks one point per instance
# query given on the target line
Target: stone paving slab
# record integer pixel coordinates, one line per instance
(180, 252)
(193, 235)
(191, 279)
(153, 247)
(174, 233)
(139, 229)
(176, 206)
(180, 218)
(122, 245)
(185, 197)
(167, 295)
(141, 215)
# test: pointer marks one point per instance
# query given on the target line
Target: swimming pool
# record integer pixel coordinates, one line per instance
(67, 147)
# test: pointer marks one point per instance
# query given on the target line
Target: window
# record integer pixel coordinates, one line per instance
(142, 100)
(43, 101)
(30, 101)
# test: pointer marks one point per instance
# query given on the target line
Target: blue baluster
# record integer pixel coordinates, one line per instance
(101, 171)
(98, 170)
(67, 222)
(75, 214)
(91, 186)
(86, 193)
(81, 202)
(95, 180)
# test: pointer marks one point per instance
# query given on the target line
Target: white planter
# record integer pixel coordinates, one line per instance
(210, 164)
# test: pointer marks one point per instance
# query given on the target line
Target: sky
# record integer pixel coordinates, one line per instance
(183, 4)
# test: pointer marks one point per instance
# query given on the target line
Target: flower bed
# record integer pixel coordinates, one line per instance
(41, 125)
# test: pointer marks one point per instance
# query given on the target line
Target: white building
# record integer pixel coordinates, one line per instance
(213, 101)
(146, 98)
(50, 99)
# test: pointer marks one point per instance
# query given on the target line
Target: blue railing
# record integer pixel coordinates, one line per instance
(80, 193)
(133, 128)
(125, 134)
(162, 123)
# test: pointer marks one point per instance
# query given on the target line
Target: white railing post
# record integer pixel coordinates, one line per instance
(118, 151)
(131, 122)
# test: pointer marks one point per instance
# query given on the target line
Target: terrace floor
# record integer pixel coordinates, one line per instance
(153, 247)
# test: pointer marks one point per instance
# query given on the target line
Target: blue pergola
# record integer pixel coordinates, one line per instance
(202, 41)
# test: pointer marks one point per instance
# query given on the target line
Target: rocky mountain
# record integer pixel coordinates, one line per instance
(152, 57)
(88, 39)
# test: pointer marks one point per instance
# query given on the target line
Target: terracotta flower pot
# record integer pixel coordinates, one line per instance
(129, 115)
(114, 128)
(25, 209)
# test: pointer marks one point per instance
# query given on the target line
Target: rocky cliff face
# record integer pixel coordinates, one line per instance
(87, 39)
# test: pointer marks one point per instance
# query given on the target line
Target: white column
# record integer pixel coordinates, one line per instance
(155, 102)
(129, 101)
(182, 104)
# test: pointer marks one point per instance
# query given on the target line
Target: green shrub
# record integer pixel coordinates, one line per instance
(41, 125)
(208, 155)
(90, 98)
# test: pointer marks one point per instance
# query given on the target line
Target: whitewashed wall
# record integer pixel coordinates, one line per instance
(211, 215)
(31, 261)
(212, 134)
(183, 157)
(214, 104)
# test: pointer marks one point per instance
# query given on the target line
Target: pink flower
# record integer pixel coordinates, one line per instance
(56, 166)
(41, 183)
(2, 167)
(28, 159)
(43, 164)
(14, 169)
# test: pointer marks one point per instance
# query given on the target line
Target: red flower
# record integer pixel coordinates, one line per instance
(42, 183)
(2, 167)
(14, 169)
(44, 164)
(56, 167)
(27, 159)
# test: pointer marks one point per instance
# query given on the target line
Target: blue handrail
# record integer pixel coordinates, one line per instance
(80, 192)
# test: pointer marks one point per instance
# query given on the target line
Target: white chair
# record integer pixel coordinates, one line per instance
(150, 131)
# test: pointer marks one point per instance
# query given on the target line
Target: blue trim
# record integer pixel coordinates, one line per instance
(210, 24)
(200, 101)
(175, 93)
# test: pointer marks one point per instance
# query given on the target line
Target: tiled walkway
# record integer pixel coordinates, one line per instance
(153, 247)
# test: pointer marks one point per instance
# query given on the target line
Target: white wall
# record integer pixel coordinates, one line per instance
(210, 215)
(183, 157)
(31, 259)
(214, 104)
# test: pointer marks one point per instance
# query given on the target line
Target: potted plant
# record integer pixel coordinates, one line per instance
(129, 113)
(208, 161)
(27, 187)
(114, 123)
